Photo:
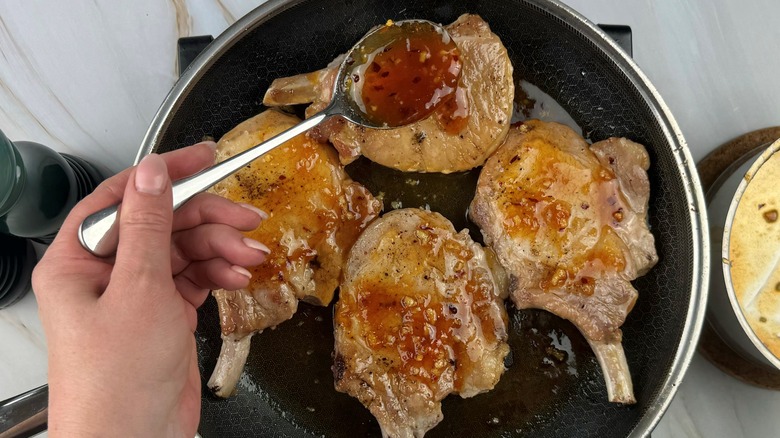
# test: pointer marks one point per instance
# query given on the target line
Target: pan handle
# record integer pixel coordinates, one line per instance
(188, 48)
(26, 414)
(621, 34)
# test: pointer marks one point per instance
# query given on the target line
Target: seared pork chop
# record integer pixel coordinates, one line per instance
(315, 215)
(419, 316)
(568, 221)
(458, 136)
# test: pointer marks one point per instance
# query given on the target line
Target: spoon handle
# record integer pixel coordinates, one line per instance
(99, 233)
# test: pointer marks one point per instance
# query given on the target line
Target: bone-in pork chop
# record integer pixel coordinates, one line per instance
(316, 213)
(419, 316)
(568, 221)
(458, 136)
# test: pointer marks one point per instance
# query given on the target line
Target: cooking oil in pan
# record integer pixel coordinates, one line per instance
(548, 359)
(533, 103)
(289, 369)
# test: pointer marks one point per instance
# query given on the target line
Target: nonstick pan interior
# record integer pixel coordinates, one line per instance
(287, 387)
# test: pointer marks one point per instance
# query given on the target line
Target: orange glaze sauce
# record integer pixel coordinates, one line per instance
(453, 115)
(358, 211)
(418, 326)
(268, 185)
(415, 326)
(409, 78)
(294, 185)
(549, 204)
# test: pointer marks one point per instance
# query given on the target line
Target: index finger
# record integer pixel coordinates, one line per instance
(181, 163)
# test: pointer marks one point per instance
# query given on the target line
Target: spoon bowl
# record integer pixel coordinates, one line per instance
(380, 61)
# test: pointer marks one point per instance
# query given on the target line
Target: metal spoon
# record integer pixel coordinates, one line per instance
(99, 233)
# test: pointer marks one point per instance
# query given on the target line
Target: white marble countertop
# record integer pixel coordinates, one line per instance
(86, 77)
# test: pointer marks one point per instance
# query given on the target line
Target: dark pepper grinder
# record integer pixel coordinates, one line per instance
(39, 187)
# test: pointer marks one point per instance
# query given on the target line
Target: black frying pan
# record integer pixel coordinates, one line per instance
(553, 386)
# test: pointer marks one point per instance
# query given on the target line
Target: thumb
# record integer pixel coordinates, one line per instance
(145, 221)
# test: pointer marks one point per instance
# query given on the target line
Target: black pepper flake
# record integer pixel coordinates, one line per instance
(771, 216)
(762, 319)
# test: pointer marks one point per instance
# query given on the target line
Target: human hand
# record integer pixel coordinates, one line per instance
(121, 350)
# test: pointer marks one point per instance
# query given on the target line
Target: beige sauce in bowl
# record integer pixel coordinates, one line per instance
(754, 249)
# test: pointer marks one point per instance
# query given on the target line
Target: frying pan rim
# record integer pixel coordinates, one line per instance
(697, 210)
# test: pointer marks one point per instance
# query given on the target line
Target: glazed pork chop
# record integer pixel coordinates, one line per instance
(316, 213)
(458, 136)
(419, 316)
(568, 221)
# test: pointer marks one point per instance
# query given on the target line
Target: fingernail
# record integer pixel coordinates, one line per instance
(210, 144)
(259, 212)
(151, 175)
(241, 271)
(254, 244)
